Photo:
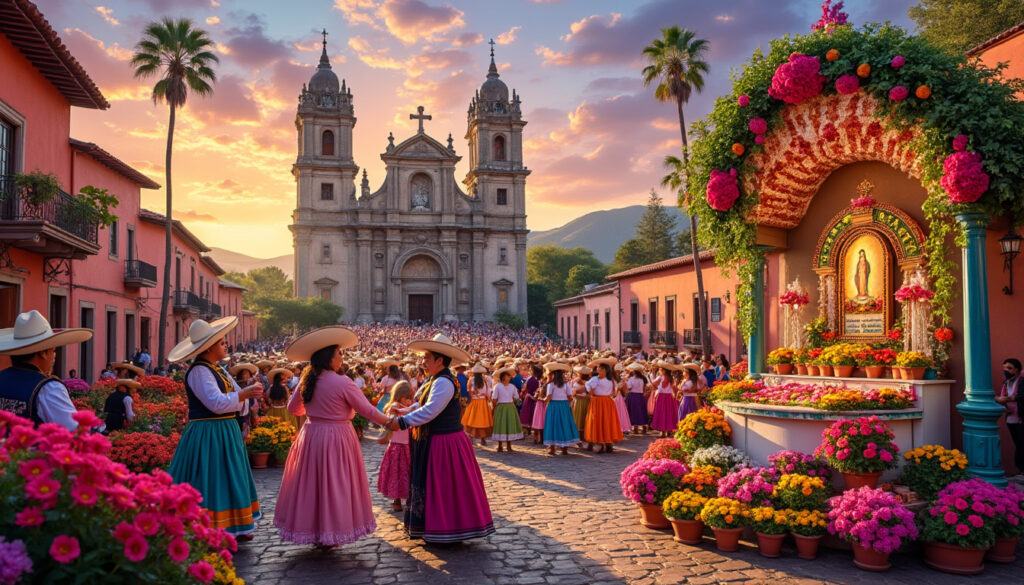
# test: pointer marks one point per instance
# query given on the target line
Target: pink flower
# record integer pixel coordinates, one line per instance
(950, 518)
(962, 529)
(135, 548)
(722, 190)
(975, 521)
(797, 80)
(64, 549)
(86, 419)
(743, 100)
(899, 93)
(847, 84)
(202, 571)
(758, 125)
(885, 456)
(147, 523)
(30, 516)
(34, 468)
(960, 142)
(124, 531)
(870, 454)
(842, 454)
(759, 139)
(42, 488)
(897, 62)
(178, 550)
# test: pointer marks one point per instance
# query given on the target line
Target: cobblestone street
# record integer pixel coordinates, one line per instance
(560, 520)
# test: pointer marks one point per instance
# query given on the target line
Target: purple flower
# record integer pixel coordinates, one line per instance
(960, 142)
(14, 561)
(897, 61)
(759, 139)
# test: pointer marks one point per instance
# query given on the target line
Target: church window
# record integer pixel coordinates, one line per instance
(503, 256)
(327, 143)
(499, 147)
(326, 191)
(502, 196)
(325, 294)
(325, 253)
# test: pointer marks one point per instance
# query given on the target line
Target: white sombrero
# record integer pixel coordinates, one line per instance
(130, 367)
(552, 366)
(32, 333)
(243, 366)
(285, 371)
(478, 369)
(201, 337)
(508, 370)
(441, 344)
(305, 346)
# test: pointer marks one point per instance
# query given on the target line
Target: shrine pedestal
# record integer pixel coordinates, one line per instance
(761, 430)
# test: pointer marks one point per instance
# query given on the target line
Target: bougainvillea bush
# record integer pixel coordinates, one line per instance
(650, 481)
(143, 452)
(82, 518)
(872, 518)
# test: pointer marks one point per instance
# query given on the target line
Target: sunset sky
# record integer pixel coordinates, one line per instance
(595, 139)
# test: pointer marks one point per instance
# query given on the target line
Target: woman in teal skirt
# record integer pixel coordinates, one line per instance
(211, 454)
(559, 425)
(507, 426)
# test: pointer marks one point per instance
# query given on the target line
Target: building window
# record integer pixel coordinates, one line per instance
(327, 191)
(325, 253)
(6, 148)
(503, 255)
(202, 286)
(503, 299)
(499, 147)
(575, 329)
(608, 326)
(129, 248)
(112, 248)
(652, 310)
(502, 196)
(325, 294)
(716, 310)
(327, 143)
(670, 313)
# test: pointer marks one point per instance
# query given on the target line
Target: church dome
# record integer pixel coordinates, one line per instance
(324, 80)
(494, 89)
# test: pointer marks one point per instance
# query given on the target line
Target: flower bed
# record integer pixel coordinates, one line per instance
(819, 396)
(930, 468)
(143, 452)
(863, 445)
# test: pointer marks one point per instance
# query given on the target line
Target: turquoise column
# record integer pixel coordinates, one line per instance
(980, 410)
(755, 343)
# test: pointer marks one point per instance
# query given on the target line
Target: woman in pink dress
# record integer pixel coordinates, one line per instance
(666, 408)
(325, 495)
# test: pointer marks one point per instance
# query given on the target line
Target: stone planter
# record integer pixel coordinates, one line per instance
(801, 369)
(783, 369)
(825, 370)
(874, 371)
(1003, 551)
(651, 516)
(843, 371)
(259, 460)
(869, 559)
(958, 560)
(770, 545)
(727, 539)
(857, 480)
(688, 531)
(807, 546)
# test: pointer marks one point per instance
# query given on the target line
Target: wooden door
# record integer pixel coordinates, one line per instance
(421, 308)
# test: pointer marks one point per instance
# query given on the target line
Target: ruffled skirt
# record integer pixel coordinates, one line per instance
(636, 405)
(602, 421)
(477, 419)
(538, 416)
(559, 425)
(393, 476)
(666, 414)
(506, 423)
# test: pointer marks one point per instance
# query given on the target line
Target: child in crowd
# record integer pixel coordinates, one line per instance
(395, 467)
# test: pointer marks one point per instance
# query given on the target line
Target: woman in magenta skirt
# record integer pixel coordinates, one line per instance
(447, 501)
(325, 495)
(666, 408)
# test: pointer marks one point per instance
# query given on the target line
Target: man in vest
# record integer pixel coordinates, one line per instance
(28, 388)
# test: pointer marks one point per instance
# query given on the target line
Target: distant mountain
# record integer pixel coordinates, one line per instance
(235, 262)
(602, 232)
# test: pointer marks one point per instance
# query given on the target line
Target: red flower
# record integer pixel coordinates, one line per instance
(797, 80)
(944, 334)
(65, 549)
(894, 334)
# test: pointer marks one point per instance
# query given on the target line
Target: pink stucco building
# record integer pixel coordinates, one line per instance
(591, 318)
(68, 267)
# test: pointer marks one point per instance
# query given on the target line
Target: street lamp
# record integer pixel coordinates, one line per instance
(1009, 247)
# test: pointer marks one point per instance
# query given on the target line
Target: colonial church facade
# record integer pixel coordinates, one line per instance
(421, 247)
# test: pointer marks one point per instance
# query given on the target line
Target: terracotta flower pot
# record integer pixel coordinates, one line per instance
(825, 370)
(770, 544)
(874, 371)
(807, 546)
(727, 539)
(914, 373)
(801, 369)
(688, 531)
(259, 460)
(651, 516)
(784, 369)
(1003, 551)
(856, 480)
(280, 461)
(897, 373)
(812, 370)
(958, 560)
(869, 559)
(843, 371)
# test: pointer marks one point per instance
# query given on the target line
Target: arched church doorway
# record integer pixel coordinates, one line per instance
(421, 288)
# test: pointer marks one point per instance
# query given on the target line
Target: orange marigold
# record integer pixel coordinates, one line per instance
(863, 70)
(923, 92)
(832, 55)
(738, 149)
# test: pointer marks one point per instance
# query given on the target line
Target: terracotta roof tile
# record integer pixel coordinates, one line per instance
(663, 265)
(996, 39)
(114, 163)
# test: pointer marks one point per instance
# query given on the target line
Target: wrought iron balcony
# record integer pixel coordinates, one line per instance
(139, 274)
(62, 226)
(215, 310)
(692, 337)
(631, 338)
(186, 301)
(663, 339)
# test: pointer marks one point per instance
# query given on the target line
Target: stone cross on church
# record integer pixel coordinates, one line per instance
(420, 116)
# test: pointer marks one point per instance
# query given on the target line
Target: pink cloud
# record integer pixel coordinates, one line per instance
(407, 20)
(250, 46)
(508, 37)
(230, 102)
(190, 215)
(468, 39)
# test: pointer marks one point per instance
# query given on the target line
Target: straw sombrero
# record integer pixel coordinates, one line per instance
(130, 367)
(386, 363)
(306, 345)
(552, 366)
(287, 373)
(243, 366)
(607, 361)
(635, 366)
(32, 333)
(582, 370)
(264, 364)
(201, 337)
(127, 382)
(691, 366)
(506, 370)
(441, 344)
(478, 369)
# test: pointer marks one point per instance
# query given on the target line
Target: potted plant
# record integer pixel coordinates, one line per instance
(648, 482)
(813, 355)
(788, 461)
(682, 508)
(703, 480)
(723, 457)
(913, 364)
(808, 527)
(705, 428)
(37, 187)
(665, 449)
(1008, 525)
(842, 357)
(800, 361)
(284, 434)
(958, 527)
(726, 518)
(928, 469)
(260, 443)
(860, 449)
(800, 492)
(874, 522)
(751, 485)
(782, 360)
(770, 526)
(867, 362)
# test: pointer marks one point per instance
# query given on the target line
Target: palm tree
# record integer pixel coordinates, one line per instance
(179, 54)
(676, 63)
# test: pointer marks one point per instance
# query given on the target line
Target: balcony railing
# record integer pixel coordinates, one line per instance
(139, 273)
(663, 338)
(62, 211)
(631, 338)
(215, 310)
(692, 337)
(186, 300)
